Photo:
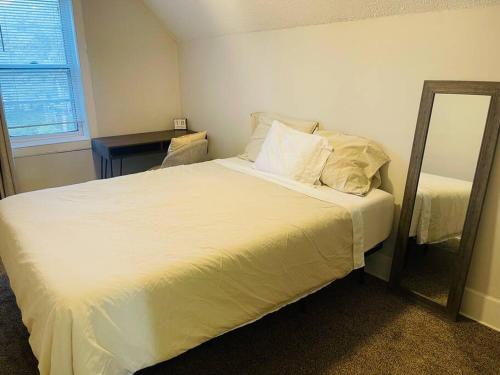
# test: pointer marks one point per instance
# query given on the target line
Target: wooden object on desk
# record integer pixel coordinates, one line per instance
(123, 146)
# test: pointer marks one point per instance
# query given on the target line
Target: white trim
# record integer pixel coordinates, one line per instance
(54, 148)
(85, 72)
(481, 308)
(23, 142)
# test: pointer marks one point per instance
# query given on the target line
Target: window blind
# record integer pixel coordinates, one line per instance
(39, 72)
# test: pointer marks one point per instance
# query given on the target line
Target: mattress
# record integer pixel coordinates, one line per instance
(440, 208)
(112, 276)
(372, 214)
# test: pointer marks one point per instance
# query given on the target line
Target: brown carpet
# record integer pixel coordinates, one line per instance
(345, 328)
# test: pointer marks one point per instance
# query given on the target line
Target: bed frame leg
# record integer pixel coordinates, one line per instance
(361, 275)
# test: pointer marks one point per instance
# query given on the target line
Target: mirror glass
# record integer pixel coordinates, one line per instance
(449, 164)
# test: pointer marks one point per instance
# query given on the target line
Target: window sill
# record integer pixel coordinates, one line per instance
(54, 146)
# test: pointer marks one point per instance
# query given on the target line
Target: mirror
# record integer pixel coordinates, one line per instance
(451, 152)
(452, 155)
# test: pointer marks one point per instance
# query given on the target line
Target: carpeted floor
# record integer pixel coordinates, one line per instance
(345, 328)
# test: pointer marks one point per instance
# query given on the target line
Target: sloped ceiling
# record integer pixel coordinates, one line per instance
(198, 19)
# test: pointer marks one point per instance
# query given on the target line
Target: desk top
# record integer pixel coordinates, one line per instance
(138, 138)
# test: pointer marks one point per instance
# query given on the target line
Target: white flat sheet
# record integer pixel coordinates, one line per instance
(440, 208)
(112, 276)
(372, 215)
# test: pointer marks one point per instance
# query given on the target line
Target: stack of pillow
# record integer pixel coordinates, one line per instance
(298, 150)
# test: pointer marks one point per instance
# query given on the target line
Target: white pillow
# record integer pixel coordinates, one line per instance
(294, 154)
(261, 123)
(254, 145)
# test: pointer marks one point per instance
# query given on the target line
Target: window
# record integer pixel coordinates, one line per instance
(40, 79)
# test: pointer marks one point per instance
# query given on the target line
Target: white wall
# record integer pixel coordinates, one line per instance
(131, 80)
(133, 62)
(364, 77)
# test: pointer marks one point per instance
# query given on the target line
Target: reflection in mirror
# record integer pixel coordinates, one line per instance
(449, 164)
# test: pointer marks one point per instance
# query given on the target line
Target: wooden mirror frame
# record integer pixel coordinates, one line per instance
(478, 192)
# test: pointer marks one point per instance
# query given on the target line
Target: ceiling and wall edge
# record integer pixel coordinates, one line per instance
(189, 20)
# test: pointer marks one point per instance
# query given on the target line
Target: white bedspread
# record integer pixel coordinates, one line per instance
(112, 276)
(371, 215)
(440, 208)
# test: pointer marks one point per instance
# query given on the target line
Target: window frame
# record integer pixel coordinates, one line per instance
(74, 70)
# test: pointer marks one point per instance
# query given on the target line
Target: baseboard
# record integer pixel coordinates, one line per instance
(481, 308)
(475, 305)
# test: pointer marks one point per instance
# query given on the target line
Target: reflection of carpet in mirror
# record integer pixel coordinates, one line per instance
(428, 269)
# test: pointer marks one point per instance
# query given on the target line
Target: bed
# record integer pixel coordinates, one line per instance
(440, 208)
(113, 276)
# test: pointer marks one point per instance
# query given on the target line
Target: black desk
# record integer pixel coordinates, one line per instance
(123, 146)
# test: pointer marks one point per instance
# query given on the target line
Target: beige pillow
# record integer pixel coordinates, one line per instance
(178, 142)
(261, 123)
(353, 167)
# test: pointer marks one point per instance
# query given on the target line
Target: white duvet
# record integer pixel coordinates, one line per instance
(112, 276)
(440, 208)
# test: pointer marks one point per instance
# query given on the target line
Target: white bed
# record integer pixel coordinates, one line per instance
(112, 276)
(440, 208)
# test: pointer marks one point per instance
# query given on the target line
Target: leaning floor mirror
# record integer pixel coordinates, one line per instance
(452, 156)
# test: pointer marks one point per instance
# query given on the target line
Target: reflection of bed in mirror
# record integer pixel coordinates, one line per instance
(440, 208)
(436, 229)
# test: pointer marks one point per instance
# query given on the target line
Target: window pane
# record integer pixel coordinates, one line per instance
(38, 101)
(31, 32)
(40, 82)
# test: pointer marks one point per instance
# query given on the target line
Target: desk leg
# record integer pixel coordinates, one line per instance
(106, 168)
(121, 166)
(111, 167)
